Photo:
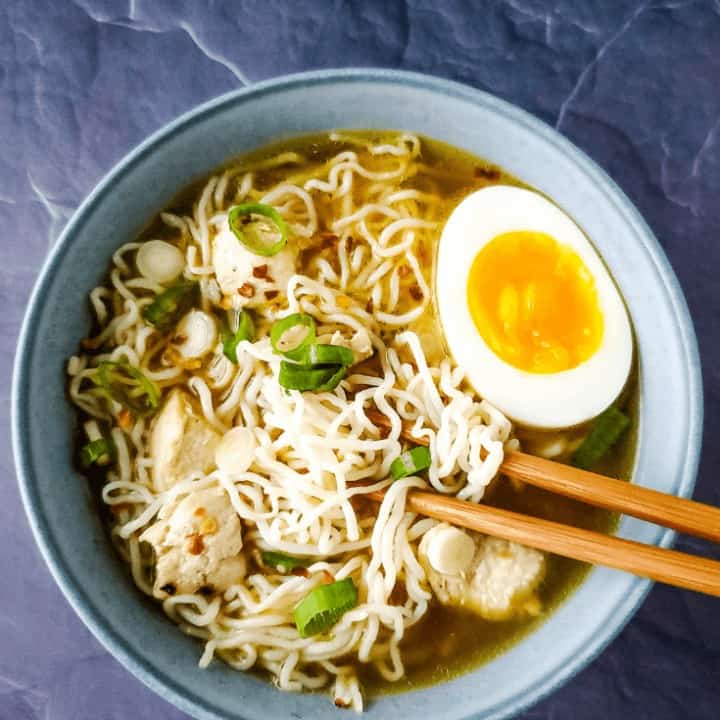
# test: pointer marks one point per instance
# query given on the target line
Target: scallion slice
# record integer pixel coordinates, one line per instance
(324, 606)
(241, 328)
(411, 462)
(309, 365)
(325, 355)
(298, 377)
(607, 430)
(286, 563)
(292, 335)
(169, 306)
(127, 385)
(260, 228)
(97, 452)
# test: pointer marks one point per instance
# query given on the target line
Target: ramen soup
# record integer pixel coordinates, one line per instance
(323, 319)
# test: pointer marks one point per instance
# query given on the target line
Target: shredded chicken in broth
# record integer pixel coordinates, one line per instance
(213, 468)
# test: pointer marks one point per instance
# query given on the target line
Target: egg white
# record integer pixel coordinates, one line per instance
(544, 400)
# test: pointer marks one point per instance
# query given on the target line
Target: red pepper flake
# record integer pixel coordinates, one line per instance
(329, 240)
(246, 290)
(422, 253)
(369, 306)
(195, 544)
(260, 271)
(404, 271)
(209, 526)
(415, 292)
(301, 572)
(271, 294)
(125, 419)
(328, 577)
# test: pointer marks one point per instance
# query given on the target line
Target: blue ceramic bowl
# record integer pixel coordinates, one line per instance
(57, 498)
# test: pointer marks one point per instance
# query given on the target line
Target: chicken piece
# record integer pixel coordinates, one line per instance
(494, 578)
(254, 278)
(181, 442)
(359, 343)
(197, 544)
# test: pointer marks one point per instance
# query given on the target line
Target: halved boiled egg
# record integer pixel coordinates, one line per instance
(529, 310)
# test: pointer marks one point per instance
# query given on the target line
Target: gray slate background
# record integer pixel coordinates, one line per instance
(635, 84)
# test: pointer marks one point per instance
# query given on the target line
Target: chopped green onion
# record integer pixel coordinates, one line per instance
(242, 328)
(299, 377)
(260, 228)
(125, 384)
(325, 355)
(324, 606)
(291, 335)
(411, 462)
(97, 452)
(169, 306)
(607, 430)
(309, 366)
(286, 563)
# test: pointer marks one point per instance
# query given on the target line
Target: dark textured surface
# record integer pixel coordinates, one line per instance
(636, 85)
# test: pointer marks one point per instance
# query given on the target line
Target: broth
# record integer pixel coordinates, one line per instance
(447, 642)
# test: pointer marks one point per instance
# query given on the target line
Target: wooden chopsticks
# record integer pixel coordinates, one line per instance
(687, 516)
(667, 566)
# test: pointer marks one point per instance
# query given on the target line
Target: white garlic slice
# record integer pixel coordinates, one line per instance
(196, 334)
(234, 454)
(552, 448)
(92, 430)
(451, 551)
(159, 261)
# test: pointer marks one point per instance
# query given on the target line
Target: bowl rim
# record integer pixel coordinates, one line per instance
(159, 681)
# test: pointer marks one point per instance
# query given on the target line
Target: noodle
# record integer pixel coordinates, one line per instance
(300, 496)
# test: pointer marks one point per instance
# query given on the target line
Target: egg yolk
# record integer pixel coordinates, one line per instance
(534, 302)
